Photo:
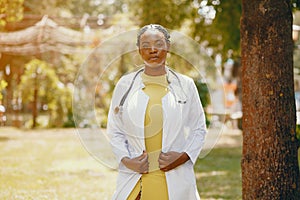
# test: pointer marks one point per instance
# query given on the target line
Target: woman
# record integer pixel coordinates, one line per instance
(156, 125)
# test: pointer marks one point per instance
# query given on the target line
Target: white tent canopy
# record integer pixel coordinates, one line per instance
(44, 36)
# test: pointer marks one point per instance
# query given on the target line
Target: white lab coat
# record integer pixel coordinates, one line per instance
(184, 130)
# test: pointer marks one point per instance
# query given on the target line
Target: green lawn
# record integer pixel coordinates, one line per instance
(50, 164)
(219, 174)
(53, 164)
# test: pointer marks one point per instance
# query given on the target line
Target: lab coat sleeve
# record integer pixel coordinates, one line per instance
(115, 130)
(195, 123)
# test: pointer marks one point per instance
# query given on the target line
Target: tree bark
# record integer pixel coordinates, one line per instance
(270, 148)
(35, 102)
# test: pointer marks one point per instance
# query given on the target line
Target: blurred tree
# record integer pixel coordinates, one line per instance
(296, 21)
(220, 25)
(270, 167)
(51, 8)
(41, 87)
(204, 96)
(168, 13)
(10, 11)
(213, 23)
(3, 85)
(77, 8)
(295, 4)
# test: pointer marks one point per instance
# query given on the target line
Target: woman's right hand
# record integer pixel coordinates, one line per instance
(138, 164)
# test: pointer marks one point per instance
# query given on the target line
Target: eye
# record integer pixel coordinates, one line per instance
(145, 46)
(159, 44)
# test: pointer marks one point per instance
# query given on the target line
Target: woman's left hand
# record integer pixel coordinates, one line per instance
(171, 160)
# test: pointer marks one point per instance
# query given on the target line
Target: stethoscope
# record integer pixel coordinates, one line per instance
(118, 109)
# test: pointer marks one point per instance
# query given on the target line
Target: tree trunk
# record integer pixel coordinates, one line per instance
(270, 149)
(35, 103)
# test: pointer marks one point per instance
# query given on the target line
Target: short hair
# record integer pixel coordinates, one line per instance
(158, 27)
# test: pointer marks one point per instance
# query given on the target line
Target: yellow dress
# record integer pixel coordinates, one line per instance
(153, 185)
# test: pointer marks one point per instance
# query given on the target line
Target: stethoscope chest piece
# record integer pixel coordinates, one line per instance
(117, 109)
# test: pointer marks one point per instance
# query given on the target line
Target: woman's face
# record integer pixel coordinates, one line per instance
(153, 48)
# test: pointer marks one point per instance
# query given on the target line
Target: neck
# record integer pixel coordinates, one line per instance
(155, 71)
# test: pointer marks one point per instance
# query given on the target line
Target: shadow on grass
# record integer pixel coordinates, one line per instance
(4, 139)
(219, 174)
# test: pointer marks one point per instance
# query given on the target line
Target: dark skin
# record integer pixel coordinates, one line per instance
(153, 50)
(170, 160)
(138, 164)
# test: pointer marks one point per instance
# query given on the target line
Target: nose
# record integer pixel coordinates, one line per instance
(153, 49)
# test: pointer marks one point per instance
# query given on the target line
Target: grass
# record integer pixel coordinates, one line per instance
(219, 174)
(53, 164)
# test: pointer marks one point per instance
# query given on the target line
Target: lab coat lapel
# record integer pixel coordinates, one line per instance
(136, 108)
(172, 120)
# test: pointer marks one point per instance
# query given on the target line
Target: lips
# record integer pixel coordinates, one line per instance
(153, 58)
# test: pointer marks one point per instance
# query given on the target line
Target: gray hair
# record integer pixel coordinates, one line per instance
(158, 27)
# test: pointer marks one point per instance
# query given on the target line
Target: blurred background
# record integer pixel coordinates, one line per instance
(43, 45)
